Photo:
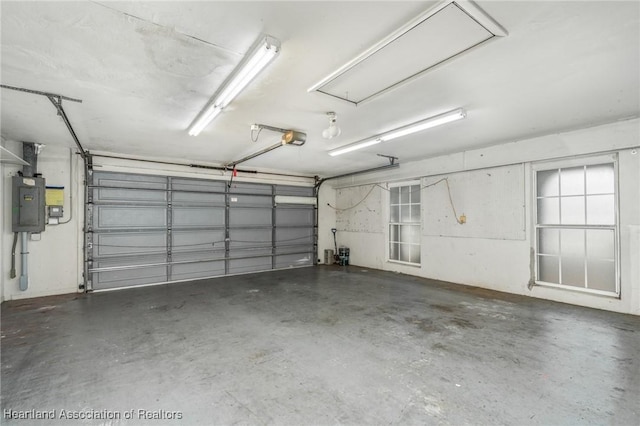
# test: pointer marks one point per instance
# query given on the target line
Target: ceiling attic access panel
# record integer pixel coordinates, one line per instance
(434, 37)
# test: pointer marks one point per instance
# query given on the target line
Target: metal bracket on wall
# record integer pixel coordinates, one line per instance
(392, 165)
(56, 100)
(392, 159)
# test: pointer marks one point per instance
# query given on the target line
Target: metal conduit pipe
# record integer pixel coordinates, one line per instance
(71, 154)
(30, 154)
(12, 274)
(24, 256)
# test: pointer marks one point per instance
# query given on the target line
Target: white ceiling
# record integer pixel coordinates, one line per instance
(145, 69)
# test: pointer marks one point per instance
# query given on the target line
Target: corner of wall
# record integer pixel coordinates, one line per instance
(6, 240)
(55, 258)
(501, 260)
(2, 213)
(326, 218)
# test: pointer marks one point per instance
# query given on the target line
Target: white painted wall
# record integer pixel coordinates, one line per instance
(493, 250)
(55, 261)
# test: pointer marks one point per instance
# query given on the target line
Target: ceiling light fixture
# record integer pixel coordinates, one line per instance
(443, 32)
(333, 130)
(403, 131)
(259, 57)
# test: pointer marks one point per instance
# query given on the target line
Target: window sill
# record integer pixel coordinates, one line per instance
(399, 262)
(587, 291)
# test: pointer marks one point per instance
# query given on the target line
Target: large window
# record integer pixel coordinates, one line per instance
(576, 228)
(404, 223)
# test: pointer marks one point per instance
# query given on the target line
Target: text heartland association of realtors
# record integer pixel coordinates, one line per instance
(63, 414)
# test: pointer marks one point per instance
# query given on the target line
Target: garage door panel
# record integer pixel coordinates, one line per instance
(200, 185)
(294, 260)
(250, 188)
(249, 237)
(198, 270)
(200, 239)
(243, 217)
(299, 191)
(250, 252)
(129, 243)
(200, 255)
(126, 180)
(125, 261)
(250, 242)
(241, 200)
(194, 217)
(294, 236)
(293, 249)
(295, 216)
(128, 196)
(130, 277)
(123, 188)
(198, 199)
(256, 264)
(132, 217)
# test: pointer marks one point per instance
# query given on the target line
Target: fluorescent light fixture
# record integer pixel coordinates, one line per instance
(204, 119)
(292, 199)
(418, 126)
(259, 57)
(425, 124)
(352, 147)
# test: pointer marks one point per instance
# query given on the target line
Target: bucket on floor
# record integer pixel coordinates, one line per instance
(343, 255)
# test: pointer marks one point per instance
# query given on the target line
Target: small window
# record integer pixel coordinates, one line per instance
(404, 223)
(576, 228)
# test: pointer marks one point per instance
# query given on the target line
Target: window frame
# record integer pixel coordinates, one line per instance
(418, 224)
(565, 164)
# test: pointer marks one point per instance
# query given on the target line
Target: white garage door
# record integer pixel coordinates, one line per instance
(144, 229)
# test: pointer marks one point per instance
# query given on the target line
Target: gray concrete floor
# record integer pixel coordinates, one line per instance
(320, 345)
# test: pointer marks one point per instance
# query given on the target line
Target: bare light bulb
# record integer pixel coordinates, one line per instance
(333, 130)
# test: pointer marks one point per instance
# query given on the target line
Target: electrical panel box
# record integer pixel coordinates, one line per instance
(28, 211)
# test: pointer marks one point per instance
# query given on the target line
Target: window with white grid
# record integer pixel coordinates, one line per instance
(404, 223)
(576, 228)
